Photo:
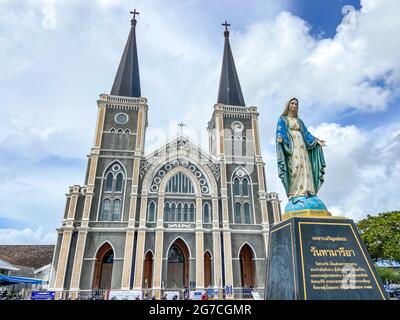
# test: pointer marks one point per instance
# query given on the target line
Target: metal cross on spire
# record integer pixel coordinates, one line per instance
(181, 125)
(226, 25)
(134, 12)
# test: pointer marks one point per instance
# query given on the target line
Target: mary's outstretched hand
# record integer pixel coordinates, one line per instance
(322, 143)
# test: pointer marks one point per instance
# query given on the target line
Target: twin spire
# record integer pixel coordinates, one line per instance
(229, 91)
(127, 80)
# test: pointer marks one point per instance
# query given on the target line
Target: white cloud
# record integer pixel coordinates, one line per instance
(27, 236)
(279, 58)
(51, 78)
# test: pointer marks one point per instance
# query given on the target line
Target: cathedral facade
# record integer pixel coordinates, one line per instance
(178, 217)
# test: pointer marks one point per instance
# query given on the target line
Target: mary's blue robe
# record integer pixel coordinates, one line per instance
(285, 150)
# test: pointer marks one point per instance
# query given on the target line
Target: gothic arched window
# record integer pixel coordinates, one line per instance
(236, 187)
(109, 182)
(180, 183)
(247, 218)
(238, 214)
(206, 213)
(185, 212)
(106, 209)
(116, 215)
(191, 212)
(172, 212)
(111, 198)
(242, 197)
(151, 211)
(179, 212)
(119, 183)
(245, 187)
(167, 210)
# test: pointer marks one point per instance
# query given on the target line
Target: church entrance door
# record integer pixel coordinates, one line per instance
(178, 265)
(247, 266)
(148, 270)
(103, 267)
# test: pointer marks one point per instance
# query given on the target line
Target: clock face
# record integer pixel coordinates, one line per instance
(121, 118)
(237, 126)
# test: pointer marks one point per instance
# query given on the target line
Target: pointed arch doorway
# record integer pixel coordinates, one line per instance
(148, 270)
(178, 265)
(207, 270)
(103, 267)
(247, 270)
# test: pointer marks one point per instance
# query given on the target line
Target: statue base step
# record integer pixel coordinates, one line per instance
(320, 259)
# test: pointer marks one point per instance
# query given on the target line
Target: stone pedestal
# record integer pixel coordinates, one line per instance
(313, 258)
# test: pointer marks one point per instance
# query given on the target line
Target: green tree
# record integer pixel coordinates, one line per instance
(381, 235)
(388, 274)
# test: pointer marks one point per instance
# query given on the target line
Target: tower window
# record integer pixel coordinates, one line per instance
(238, 214)
(110, 207)
(247, 218)
(119, 182)
(106, 209)
(245, 187)
(242, 197)
(236, 187)
(109, 182)
(116, 210)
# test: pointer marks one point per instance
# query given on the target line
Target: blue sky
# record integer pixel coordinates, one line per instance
(323, 16)
(59, 55)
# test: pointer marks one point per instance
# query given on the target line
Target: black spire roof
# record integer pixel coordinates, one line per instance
(229, 91)
(127, 80)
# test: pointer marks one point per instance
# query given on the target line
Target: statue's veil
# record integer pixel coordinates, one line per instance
(286, 111)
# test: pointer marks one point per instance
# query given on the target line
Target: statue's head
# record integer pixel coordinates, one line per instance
(291, 108)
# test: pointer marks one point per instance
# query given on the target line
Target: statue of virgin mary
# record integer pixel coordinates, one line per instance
(301, 163)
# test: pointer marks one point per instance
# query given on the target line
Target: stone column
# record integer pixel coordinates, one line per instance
(62, 261)
(216, 244)
(138, 276)
(224, 198)
(159, 246)
(275, 207)
(262, 191)
(128, 255)
(66, 242)
(199, 243)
